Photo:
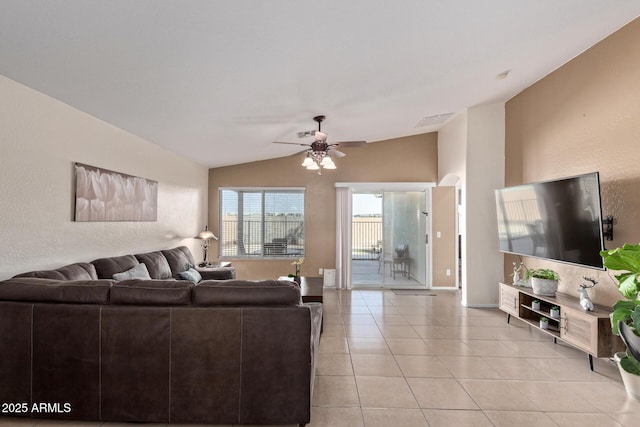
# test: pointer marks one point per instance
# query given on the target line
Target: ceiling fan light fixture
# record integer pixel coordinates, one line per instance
(329, 164)
(308, 161)
(326, 160)
(313, 166)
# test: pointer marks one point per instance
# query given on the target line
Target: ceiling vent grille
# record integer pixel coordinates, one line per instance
(433, 120)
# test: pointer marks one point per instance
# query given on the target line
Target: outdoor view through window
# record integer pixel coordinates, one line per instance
(262, 223)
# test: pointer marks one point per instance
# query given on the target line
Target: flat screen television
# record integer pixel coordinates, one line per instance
(559, 220)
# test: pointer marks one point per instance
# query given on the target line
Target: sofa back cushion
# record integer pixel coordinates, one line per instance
(151, 292)
(247, 292)
(107, 267)
(35, 289)
(78, 271)
(156, 263)
(179, 259)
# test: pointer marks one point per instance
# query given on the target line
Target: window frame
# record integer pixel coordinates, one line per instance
(264, 191)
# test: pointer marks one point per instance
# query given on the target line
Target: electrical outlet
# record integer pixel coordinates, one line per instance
(448, 272)
(438, 234)
(321, 271)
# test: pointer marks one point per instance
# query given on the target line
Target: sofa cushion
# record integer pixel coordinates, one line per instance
(151, 292)
(35, 289)
(107, 267)
(246, 292)
(179, 259)
(156, 264)
(78, 271)
(191, 275)
(138, 272)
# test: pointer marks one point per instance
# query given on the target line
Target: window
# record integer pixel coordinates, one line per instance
(261, 222)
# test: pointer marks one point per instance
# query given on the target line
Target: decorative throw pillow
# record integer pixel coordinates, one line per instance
(191, 275)
(138, 272)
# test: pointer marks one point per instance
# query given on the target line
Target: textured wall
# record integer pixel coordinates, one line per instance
(40, 139)
(584, 117)
(399, 160)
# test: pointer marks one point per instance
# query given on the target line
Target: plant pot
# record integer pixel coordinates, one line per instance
(535, 305)
(544, 325)
(631, 381)
(554, 313)
(544, 286)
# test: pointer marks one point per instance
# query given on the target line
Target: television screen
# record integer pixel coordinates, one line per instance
(560, 220)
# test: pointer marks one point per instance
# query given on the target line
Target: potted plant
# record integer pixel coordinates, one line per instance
(543, 281)
(535, 304)
(298, 265)
(555, 312)
(625, 319)
(544, 323)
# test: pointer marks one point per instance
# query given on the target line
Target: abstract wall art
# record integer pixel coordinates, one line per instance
(104, 195)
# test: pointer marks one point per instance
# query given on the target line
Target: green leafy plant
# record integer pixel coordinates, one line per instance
(543, 273)
(630, 364)
(625, 260)
(555, 307)
(544, 320)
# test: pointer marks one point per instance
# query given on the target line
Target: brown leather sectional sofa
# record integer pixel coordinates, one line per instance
(76, 345)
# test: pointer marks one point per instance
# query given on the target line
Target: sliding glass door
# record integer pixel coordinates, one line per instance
(389, 243)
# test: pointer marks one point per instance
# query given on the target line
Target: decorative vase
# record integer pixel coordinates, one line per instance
(555, 313)
(544, 286)
(535, 305)
(296, 279)
(631, 381)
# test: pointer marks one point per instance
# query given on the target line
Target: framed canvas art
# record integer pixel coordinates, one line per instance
(104, 195)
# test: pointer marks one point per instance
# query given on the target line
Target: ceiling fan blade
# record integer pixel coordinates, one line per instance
(297, 153)
(292, 143)
(336, 153)
(350, 144)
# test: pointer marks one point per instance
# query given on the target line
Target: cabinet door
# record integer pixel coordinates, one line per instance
(579, 329)
(509, 299)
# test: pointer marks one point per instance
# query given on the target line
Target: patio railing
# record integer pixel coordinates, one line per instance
(366, 239)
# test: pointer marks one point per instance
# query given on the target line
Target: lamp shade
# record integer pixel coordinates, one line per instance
(206, 234)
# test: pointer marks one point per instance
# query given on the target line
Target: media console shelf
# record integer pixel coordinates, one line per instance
(589, 331)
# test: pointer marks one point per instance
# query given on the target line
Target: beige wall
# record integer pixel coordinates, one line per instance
(40, 139)
(584, 117)
(471, 153)
(443, 206)
(407, 159)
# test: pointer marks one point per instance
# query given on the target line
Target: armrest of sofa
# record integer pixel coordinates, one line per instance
(217, 273)
(246, 292)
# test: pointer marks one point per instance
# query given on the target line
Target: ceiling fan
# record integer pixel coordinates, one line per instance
(319, 152)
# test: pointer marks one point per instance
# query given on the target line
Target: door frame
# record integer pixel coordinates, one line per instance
(399, 186)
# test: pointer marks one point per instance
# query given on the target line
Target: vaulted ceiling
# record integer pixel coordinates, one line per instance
(218, 81)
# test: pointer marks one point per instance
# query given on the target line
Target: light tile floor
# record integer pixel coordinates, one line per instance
(391, 360)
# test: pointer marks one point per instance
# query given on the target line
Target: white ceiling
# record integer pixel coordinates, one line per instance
(218, 81)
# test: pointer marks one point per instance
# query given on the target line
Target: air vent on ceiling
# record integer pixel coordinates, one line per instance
(306, 134)
(434, 120)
